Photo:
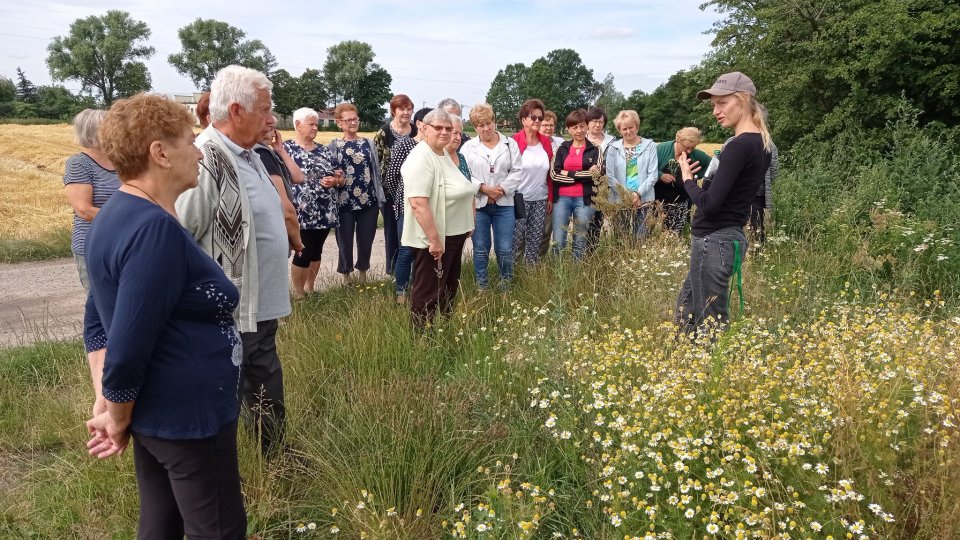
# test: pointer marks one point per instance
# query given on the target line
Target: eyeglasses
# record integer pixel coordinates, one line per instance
(535, 118)
(350, 120)
(448, 129)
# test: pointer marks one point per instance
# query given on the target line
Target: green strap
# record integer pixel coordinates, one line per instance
(738, 272)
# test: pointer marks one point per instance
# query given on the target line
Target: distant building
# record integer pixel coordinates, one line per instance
(190, 102)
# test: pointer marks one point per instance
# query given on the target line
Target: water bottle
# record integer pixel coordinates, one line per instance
(714, 165)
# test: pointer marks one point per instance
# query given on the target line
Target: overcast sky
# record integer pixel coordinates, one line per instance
(432, 49)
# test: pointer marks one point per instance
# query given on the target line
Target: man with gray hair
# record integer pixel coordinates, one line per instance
(453, 107)
(236, 216)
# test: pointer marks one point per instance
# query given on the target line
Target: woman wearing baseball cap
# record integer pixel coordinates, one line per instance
(719, 245)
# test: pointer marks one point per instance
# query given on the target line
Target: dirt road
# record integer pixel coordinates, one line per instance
(44, 300)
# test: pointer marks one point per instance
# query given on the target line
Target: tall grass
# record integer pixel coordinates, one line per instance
(571, 407)
(491, 417)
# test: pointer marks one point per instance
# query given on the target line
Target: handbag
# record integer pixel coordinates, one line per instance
(519, 209)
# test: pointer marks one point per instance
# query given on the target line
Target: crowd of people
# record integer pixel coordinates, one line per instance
(184, 244)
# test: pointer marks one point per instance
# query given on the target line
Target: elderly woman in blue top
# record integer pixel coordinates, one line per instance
(165, 309)
(361, 193)
(632, 168)
(495, 166)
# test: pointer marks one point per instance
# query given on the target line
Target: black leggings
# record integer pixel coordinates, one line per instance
(189, 487)
(359, 224)
(313, 240)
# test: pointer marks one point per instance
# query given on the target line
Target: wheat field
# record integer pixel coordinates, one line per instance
(33, 205)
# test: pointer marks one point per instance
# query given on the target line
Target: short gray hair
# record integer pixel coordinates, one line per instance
(86, 127)
(304, 113)
(436, 116)
(449, 103)
(235, 84)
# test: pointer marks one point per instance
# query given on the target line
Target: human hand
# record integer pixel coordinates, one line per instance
(329, 181)
(277, 141)
(635, 199)
(436, 250)
(296, 245)
(493, 193)
(549, 206)
(667, 178)
(687, 167)
(99, 405)
(107, 436)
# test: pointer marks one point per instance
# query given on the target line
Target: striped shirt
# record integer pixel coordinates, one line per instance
(83, 169)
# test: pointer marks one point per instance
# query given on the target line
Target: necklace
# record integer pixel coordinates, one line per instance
(145, 193)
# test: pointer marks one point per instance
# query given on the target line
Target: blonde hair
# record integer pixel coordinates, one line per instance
(481, 113)
(689, 135)
(758, 115)
(628, 114)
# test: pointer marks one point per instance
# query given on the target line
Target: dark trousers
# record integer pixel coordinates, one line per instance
(359, 224)
(391, 238)
(593, 235)
(705, 292)
(189, 487)
(435, 284)
(261, 385)
(757, 218)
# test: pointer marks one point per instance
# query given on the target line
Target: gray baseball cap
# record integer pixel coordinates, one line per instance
(727, 84)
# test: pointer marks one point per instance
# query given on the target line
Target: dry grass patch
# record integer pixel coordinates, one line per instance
(33, 206)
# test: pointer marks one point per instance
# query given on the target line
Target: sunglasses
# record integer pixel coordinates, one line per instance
(448, 129)
(535, 118)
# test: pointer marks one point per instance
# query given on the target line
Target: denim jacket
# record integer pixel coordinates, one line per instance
(616, 159)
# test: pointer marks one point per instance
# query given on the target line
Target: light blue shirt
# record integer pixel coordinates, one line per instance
(271, 233)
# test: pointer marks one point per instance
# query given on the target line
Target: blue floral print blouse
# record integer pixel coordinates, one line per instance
(317, 206)
(354, 157)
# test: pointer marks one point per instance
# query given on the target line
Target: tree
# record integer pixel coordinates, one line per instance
(26, 91)
(8, 90)
(561, 81)
(637, 101)
(312, 90)
(610, 100)
(209, 45)
(373, 92)
(290, 93)
(507, 92)
(105, 54)
(58, 103)
(673, 105)
(347, 64)
(824, 66)
(352, 75)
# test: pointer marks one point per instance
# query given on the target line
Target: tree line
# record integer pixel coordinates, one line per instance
(106, 55)
(822, 68)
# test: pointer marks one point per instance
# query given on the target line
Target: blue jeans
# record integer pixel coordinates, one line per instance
(502, 220)
(582, 216)
(403, 267)
(705, 293)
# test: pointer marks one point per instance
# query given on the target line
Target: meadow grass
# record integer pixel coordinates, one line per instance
(569, 407)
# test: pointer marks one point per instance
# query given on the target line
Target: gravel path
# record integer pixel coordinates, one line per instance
(44, 300)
